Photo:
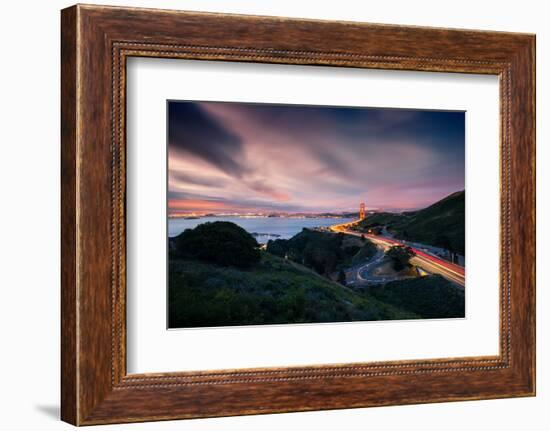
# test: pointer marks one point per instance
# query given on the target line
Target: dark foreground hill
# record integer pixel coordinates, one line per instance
(210, 289)
(275, 291)
(441, 224)
(431, 297)
(219, 242)
(325, 252)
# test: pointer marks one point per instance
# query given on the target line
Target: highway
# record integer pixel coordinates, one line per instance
(428, 262)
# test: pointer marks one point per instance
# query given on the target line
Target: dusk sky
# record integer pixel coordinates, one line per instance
(250, 158)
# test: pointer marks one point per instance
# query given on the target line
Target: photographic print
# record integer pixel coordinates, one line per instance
(290, 214)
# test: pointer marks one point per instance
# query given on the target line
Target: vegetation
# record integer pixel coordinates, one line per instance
(441, 224)
(400, 256)
(218, 276)
(430, 297)
(366, 252)
(219, 242)
(274, 291)
(342, 277)
(381, 219)
(325, 252)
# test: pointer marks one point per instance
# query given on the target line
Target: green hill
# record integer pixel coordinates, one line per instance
(325, 252)
(441, 224)
(275, 291)
(219, 242)
(432, 297)
(219, 277)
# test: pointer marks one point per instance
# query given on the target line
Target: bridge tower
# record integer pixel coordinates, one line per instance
(362, 211)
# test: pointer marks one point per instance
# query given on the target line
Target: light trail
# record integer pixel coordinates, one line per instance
(428, 262)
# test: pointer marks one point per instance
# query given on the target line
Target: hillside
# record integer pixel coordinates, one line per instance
(325, 252)
(441, 224)
(431, 296)
(275, 291)
(218, 276)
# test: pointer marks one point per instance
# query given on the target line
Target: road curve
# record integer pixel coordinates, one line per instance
(426, 261)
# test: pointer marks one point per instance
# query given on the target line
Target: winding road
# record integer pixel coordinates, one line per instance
(426, 261)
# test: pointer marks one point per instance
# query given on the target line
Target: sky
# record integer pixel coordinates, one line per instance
(264, 158)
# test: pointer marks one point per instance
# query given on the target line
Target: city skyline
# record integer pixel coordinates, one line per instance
(243, 158)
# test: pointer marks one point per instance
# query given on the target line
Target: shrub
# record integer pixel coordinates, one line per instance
(220, 242)
(278, 247)
(400, 256)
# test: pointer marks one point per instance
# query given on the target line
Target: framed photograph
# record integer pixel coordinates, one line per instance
(266, 226)
(266, 215)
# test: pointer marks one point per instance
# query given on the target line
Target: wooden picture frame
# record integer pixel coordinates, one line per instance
(95, 43)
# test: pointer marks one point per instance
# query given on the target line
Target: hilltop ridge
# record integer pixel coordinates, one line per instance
(441, 224)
